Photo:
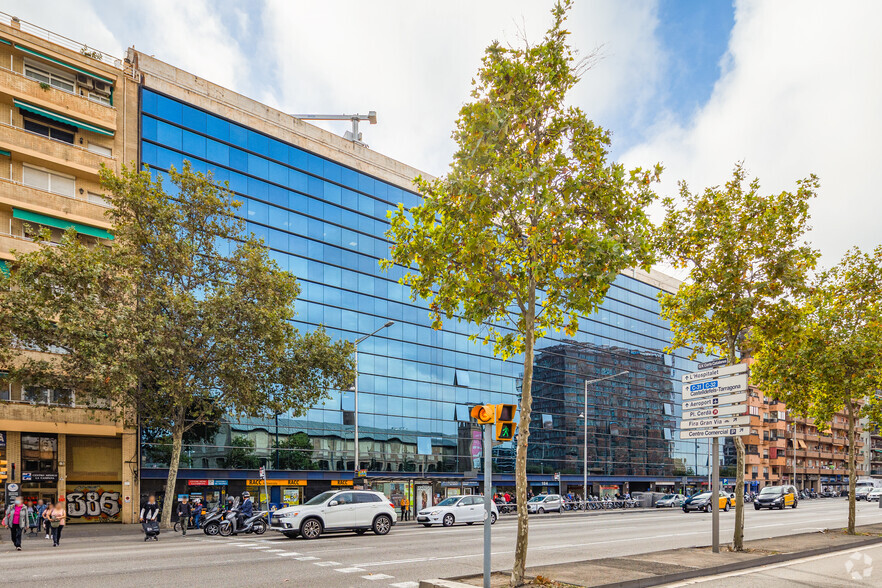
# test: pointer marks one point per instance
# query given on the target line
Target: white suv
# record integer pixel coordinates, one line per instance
(336, 510)
(544, 503)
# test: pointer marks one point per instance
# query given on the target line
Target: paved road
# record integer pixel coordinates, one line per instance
(399, 560)
(843, 569)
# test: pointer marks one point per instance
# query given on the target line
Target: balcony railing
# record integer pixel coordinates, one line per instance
(67, 43)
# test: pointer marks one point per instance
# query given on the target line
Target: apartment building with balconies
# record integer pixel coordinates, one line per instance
(66, 109)
(822, 458)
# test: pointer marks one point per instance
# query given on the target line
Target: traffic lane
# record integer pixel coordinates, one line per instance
(405, 555)
(562, 541)
(849, 568)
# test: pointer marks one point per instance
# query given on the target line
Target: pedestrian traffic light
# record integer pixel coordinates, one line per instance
(505, 425)
(485, 414)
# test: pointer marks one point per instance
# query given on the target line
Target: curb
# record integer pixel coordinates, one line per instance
(691, 574)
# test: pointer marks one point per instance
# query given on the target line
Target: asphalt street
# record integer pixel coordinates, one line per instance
(399, 560)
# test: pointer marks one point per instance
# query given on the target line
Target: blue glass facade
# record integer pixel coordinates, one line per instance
(325, 223)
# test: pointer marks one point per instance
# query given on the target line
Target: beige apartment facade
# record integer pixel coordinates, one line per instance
(66, 109)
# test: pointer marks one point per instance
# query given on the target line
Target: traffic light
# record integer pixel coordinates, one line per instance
(505, 425)
(485, 414)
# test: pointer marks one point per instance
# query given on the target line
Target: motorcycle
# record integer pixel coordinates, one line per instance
(212, 520)
(256, 523)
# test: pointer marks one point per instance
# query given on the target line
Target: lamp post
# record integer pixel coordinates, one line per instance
(585, 432)
(357, 341)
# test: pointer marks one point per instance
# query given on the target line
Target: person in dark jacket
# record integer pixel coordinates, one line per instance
(184, 511)
(149, 512)
(246, 510)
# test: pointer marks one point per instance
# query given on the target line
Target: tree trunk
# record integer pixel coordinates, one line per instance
(851, 467)
(738, 535)
(738, 538)
(174, 463)
(520, 560)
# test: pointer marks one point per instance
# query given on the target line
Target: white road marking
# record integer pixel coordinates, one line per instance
(349, 570)
(274, 551)
(378, 577)
(326, 563)
(288, 554)
(405, 585)
(306, 558)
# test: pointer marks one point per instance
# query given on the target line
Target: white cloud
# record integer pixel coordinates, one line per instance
(413, 62)
(801, 93)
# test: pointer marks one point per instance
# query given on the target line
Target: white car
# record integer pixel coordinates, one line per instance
(874, 495)
(336, 510)
(545, 503)
(457, 509)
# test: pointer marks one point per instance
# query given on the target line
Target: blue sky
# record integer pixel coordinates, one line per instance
(790, 87)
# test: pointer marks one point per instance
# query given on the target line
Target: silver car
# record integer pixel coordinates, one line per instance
(545, 503)
(670, 501)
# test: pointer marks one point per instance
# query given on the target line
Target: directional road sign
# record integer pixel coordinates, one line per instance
(715, 401)
(709, 433)
(715, 373)
(715, 387)
(713, 412)
(729, 421)
(712, 364)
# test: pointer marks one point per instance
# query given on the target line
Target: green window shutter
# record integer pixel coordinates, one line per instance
(63, 64)
(50, 221)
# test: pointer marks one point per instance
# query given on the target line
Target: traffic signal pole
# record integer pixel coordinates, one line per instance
(488, 487)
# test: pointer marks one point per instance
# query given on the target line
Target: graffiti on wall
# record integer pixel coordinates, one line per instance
(94, 503)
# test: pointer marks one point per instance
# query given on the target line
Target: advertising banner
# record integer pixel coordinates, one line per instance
(94, 503)
(423, 496)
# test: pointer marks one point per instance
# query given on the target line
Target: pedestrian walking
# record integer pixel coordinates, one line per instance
(149, 514)
(57, 517)
(33, 518)
(44, 519)
(184, 514)
(405, 509)
(16, 519)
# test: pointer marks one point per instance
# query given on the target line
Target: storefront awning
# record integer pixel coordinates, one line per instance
(63, 64)
(5, 152)
(58, 223)
(5, 270)
(61, 118)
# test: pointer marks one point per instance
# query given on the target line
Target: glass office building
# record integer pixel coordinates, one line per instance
(325, 223)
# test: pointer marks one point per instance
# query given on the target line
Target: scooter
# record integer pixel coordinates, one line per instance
(212, 520)
(256, 524)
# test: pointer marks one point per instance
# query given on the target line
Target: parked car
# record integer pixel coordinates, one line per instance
(670, 501)
(874, 495)
(457, 509)
(334, 511)
(776, 497)
(703, 502)
(544, 503)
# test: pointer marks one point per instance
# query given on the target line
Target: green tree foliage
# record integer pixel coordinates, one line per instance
(295, 453)
(745, 255)
(183, 318)
(531, 224)
(829, 358)
(241, 455)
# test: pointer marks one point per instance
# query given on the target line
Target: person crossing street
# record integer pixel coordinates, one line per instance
(184, 512)
(16, 519)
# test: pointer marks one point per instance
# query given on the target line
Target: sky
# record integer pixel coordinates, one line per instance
(790, 87)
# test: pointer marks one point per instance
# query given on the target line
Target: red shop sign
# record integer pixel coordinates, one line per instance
(197, 482)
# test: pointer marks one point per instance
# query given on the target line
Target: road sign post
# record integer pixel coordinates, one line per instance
(488, 488)
(715, 496)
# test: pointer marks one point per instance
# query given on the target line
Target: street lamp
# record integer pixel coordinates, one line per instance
(357, 341)
(585, 438)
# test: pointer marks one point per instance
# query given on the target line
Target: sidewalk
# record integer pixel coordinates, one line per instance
(662, 567)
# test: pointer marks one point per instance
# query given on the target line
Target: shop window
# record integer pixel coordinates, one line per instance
(39, 454)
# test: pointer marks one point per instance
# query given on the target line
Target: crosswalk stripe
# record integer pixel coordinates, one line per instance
(288, 554)
(349, 570)
(378, 577)
(326, 563)
(405, 585)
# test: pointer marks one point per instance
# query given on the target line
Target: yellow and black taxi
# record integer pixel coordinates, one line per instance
(776, 497)
(703, 502)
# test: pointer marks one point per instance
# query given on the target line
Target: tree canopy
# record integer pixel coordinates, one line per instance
(827, 357)
(184, 316)
(746, 255)
(532, 223)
